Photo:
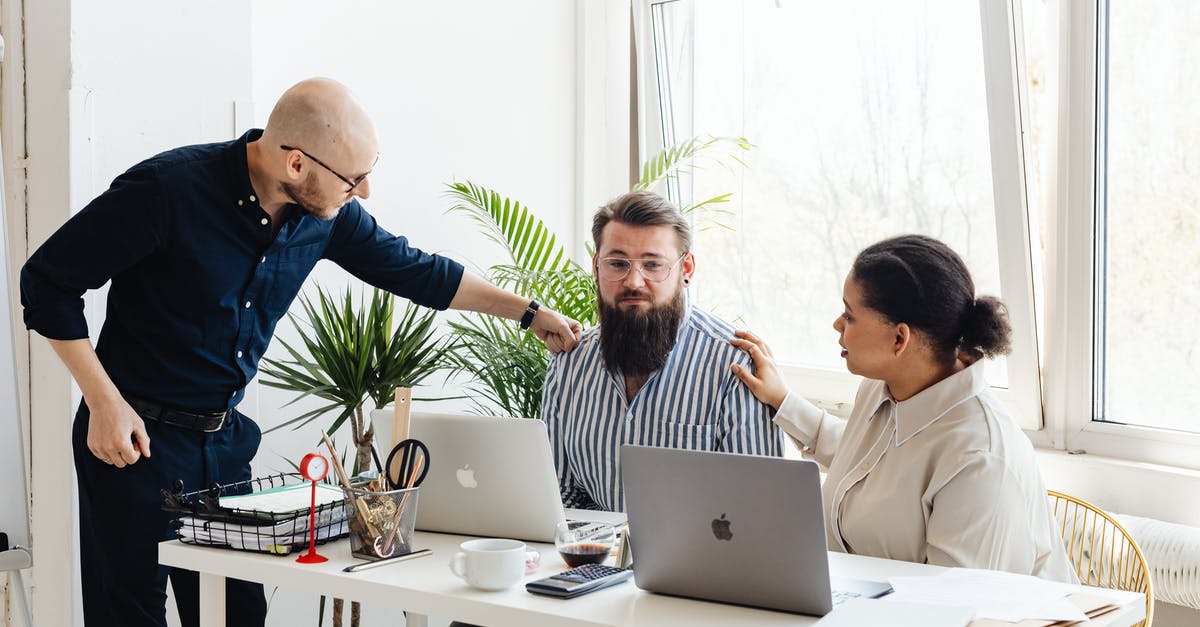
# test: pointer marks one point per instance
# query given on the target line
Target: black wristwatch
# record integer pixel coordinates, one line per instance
(530, 312)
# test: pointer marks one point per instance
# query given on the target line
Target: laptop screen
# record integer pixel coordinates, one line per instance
(488, 476)
(734, 528)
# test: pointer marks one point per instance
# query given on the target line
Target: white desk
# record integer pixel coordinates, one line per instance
(426, 587)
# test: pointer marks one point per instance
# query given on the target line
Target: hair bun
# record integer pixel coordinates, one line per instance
(986, 330)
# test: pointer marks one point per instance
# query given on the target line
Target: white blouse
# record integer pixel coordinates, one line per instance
(945, 477)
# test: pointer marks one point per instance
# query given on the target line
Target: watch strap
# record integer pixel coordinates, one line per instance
(530, 312)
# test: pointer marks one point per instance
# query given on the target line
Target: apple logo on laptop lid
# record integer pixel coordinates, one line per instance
(720, 528)
(466, 477)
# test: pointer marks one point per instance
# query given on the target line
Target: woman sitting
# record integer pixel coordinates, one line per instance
(929, 467)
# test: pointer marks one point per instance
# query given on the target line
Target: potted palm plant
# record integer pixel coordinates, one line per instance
(351, 355)
(507, 366)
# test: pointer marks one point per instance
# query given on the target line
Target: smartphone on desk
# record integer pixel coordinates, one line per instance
(579, 580)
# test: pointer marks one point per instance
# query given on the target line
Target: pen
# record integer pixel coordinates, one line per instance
(353, 568)
(363, 512)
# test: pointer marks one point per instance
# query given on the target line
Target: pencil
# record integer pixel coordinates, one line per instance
(363, 511)
(353, 568)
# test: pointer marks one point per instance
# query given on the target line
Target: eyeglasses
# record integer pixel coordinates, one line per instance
(351, 182)
(617, 268)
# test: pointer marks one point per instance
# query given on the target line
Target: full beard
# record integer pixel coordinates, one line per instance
(637, 343)
(307, 195)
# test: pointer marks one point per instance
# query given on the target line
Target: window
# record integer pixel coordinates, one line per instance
(1148, 210)
(1120, 381)
(870, 119)
(874, 118)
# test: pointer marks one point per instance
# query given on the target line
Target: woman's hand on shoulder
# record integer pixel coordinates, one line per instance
(764, 382)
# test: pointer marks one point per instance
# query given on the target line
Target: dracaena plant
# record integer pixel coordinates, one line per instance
(507, 366)
(354, 352)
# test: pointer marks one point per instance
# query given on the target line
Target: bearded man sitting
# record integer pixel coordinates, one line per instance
(655, 371)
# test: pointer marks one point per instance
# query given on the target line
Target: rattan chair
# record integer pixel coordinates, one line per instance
(1102, 551)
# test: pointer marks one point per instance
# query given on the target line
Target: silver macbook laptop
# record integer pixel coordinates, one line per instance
(487, 476)
(491, 476)
(732, 528)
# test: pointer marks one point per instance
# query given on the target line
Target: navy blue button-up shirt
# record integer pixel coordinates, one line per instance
(199, 277)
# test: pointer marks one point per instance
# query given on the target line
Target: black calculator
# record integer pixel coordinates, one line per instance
(579, 580)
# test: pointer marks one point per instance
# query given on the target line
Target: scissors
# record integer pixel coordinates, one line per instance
(407, 465)
(401, 462)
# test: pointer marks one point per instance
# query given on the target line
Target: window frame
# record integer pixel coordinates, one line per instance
(836, 389)
(1073, 280)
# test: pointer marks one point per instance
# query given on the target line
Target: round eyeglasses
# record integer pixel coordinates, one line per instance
(617, 268)
(353, 183)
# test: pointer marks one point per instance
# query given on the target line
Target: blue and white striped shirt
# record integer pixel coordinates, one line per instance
(693, 402)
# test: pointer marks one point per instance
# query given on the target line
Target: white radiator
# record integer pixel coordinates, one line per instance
(1173, 554)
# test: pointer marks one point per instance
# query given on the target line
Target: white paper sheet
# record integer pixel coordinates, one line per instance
(285, 499)
(991, 594)
(859, 612)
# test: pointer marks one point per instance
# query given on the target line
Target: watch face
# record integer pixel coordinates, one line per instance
(314, 467)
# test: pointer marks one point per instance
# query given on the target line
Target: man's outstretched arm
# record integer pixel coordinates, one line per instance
(475, 294)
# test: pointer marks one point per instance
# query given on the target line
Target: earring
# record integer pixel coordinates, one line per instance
(687, 281)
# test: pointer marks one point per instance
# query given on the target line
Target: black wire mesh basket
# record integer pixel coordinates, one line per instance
(260, 515)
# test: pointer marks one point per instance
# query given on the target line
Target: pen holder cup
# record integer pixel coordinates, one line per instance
(381, 523)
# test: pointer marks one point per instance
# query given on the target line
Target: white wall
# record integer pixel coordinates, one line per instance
(154, 75)
(1125, 487)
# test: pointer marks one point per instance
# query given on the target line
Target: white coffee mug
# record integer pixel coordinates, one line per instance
(491, 563)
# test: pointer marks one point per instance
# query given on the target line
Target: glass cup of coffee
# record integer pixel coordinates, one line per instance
(582, 542)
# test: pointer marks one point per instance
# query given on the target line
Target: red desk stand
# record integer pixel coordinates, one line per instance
(313, 467)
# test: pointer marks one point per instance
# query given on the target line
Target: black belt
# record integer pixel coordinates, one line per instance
(184, 419)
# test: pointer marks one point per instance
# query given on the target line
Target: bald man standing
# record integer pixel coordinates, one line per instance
(206, 246)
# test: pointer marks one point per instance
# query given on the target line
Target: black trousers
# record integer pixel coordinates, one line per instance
(121, 523)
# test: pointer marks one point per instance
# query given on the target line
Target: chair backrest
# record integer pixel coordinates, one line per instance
(1102, 551)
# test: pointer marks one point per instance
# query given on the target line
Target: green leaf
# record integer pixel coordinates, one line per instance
(527, 240)
(682, 157)
(354, 349)
(571, 292)
(508, 365)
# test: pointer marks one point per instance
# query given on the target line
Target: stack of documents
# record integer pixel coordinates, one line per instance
(285, 500)
(1007, 597)
(278, 538)
(272, 520)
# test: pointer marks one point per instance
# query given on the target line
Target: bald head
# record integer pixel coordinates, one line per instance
(321, 116)
(328, 134)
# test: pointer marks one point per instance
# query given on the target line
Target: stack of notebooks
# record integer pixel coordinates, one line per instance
(275, 519)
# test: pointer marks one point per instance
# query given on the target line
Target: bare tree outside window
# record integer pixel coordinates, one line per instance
(1150, 250)
(869, 120)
